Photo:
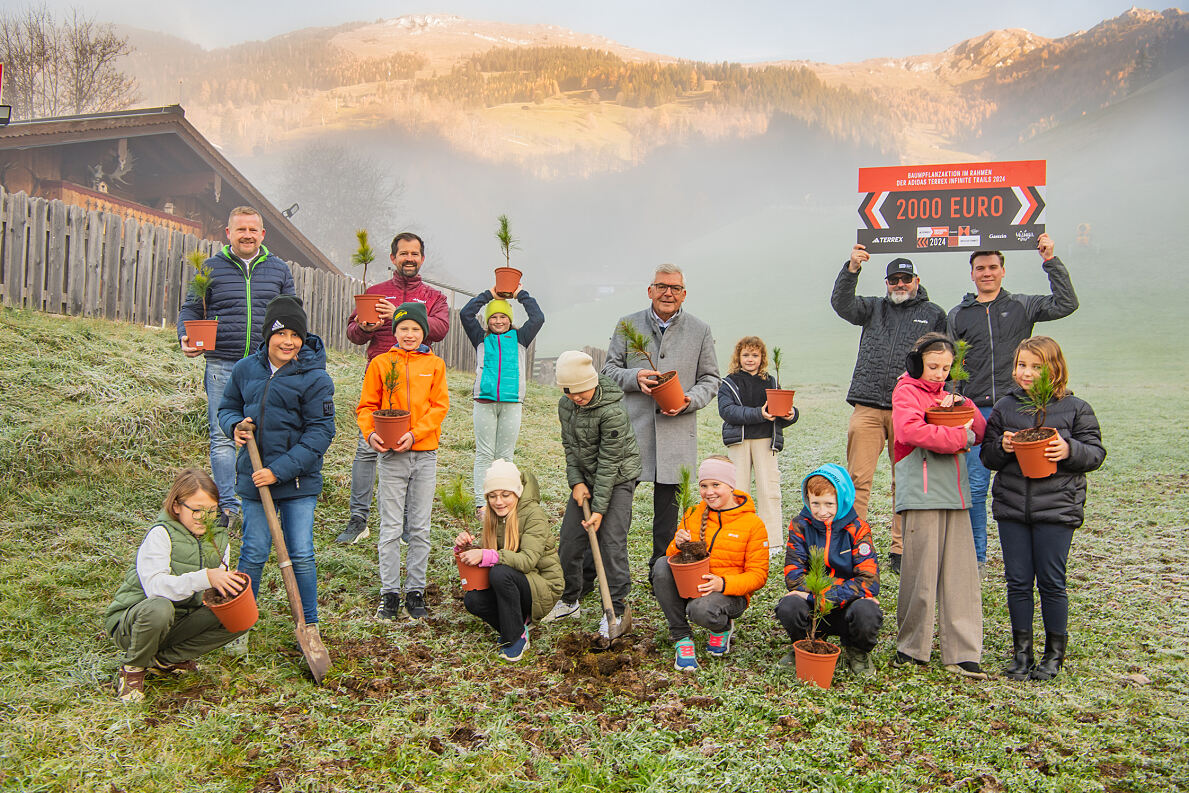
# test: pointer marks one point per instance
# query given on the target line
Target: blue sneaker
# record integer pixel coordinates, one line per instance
(719, 644)
(687, 657)
(515, 650)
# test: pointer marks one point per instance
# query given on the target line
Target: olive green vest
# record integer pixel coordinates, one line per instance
(187, 554)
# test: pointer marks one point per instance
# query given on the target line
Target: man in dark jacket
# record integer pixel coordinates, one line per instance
(994, 321)
(245, 277)
(407, 256)
(891, 324)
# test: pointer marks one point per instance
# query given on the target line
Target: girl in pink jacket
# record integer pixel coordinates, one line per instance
(932, 496)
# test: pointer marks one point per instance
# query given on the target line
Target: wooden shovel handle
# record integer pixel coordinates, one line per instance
(278, 538)
(604, 590)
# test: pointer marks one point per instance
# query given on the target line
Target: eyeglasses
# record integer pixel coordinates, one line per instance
(200, 513)
(674, 288)
(900, 278)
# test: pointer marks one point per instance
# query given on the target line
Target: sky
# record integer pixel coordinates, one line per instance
(842, 31)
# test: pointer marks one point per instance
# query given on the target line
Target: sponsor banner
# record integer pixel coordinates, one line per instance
(962, 206)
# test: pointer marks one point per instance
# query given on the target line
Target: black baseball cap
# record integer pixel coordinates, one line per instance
(897, 266)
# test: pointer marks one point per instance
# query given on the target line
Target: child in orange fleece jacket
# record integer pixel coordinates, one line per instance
(408, 469)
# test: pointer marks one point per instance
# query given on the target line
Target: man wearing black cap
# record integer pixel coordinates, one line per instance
(891, 324)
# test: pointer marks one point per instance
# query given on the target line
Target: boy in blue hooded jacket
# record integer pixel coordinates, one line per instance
(828, 520)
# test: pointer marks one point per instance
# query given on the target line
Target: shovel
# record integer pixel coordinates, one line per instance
(307, 635)
(616, 627)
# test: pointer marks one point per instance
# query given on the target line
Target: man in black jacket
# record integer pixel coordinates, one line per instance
(891, 324)
(994, 321)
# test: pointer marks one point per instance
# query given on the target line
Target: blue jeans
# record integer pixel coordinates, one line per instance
(297, 526)
(218, 372)
(980, 483)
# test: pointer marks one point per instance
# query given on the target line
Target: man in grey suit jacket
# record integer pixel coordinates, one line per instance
(668, 440)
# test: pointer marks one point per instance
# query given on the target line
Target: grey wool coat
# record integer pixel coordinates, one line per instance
(666, 442)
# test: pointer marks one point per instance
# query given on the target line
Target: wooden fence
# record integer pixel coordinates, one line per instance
(63, 259)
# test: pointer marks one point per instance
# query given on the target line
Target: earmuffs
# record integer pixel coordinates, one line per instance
(914, 362)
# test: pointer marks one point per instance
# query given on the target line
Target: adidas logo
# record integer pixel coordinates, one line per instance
(276, 325)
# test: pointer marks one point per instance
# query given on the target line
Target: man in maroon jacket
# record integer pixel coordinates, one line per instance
(408, 255)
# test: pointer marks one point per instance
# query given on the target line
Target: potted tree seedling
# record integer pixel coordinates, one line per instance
(780, 400)
(391, 423)
(237, 612)
(692, 560)
(203, 332)
(958, 414)
(667, 392)
(1030, 444)
(507, 278)
(460, 511)
(365, 304)
(816, 658)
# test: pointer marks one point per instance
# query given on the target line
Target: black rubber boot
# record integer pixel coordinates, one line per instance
(1054, 656)
(1021, 661)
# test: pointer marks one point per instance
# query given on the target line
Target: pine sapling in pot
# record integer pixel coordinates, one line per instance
(637, 347)
(507, 278)
(692, 550)
(202, 276)
(818, 582)
(213, 596)
(202, 333)
(961, 411)
(364, 255)
(780, 400)
(1036, 398)
(457, 502)
(391, 423)
(365, 304)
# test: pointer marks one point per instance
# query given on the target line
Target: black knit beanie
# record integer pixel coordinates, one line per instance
(284, 311)
(414, 311)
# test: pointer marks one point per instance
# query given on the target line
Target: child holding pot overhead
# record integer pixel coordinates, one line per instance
(1037, 517)
(939, 568)
(519, 547)
(725, 520)
(501, 375)
(157, 616)
(283, 397)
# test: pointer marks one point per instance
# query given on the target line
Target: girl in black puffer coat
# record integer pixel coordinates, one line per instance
(1037, 517)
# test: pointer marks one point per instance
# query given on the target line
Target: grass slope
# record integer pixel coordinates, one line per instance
(95, 417)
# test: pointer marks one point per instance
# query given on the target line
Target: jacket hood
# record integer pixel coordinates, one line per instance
(608, 391)
(920, 385)
(532, 490)
(843, 486)
(312, 355)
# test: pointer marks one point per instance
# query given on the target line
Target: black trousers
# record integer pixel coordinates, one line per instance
(664, 521)
(506, 605)
(856, 624)
(1036, 552)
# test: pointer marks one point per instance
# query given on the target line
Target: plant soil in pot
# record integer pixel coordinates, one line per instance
(1029, 446)
(473, 576)
(954, 416)
(816, 661)
(780, 401)
(238, 612)
(689, 564)
(202, 333)
(391, 425)
(365, 308)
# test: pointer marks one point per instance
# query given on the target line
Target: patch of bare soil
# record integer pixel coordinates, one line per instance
(384, 666)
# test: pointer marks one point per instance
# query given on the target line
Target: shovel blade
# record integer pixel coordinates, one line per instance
(316, 655)
(618, 627)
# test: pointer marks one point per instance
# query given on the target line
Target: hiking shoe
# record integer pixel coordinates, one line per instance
(719, 644)
(237, 647)
(389, 606)
(356, 530)
(130, 684)
(859, 662)
(415, 605)
(561, 610)
(982, 571)
(903, 659)
(969, 669)
(686, 656)
(159, 667)
(894, 562)
(515, 650)
(224, 520)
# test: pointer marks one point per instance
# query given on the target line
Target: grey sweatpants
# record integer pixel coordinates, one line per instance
(939, 570)
(713, 612)
(405, 497)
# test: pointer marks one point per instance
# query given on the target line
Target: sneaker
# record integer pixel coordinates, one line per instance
(389, 608)
(561, 610)
(894, 562)
(605, 627)
(415, 605)
(515, 650)
(859, 662)
(903, 659)
(130, 684)
(237, 647)
(969, 669)
(686, 656)
(224, 520)
(982, 571)
(356, 530)
(159, 667)
(719, 644)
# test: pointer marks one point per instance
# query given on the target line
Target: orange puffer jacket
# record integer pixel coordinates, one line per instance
(422, 391)
(738, 544)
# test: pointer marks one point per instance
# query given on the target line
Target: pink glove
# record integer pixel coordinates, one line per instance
(491, 558)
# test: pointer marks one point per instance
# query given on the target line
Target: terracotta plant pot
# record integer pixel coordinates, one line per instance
(669, 394)
(780, 401)
(239, 613)
(365, 308)
(951, 417)
(202, 333)
(473, 576)
(391, 425)
(1031, 456)
(817, 668)
(689, 576)
(507, 281)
